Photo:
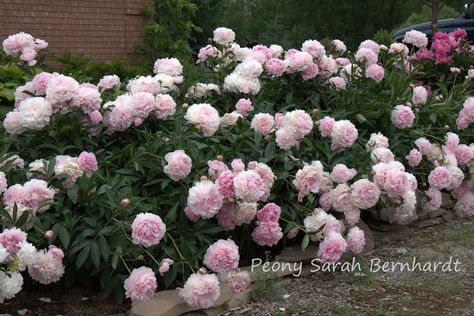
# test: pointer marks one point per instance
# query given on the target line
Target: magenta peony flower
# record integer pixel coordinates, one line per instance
(332, 247)
(201, 290)
(269, 213)
(87, 162)
(402, 116)
(222, 256)
(267, 233)
(356, 240)
(141, 284)
(178, 165)
(147, 229)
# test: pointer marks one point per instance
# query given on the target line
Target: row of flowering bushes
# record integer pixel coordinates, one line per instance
(148, 184)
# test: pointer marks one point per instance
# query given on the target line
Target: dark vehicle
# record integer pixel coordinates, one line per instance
(465, 21)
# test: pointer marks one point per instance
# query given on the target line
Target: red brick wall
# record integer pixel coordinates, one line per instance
(99, 29)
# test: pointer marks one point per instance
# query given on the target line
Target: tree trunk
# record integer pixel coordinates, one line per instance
(434, 16)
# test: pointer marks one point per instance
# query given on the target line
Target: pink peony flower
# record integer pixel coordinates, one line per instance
(313, 47)
(465, 205)
(226, 216)
(248, 186)
(216, 167)
(343, 135)
(178, 165)
(423, 145)
(414, 157)
(439, 178)
(375, 72)
(370, 44)
(340, 173)
(3, 182)
(10, 239)
(416, 38)
(299, 62)
(40, 82)
(338, 82)
(366, 56)
(309, 179)
(245, 212)
(36, 192)
(110, 82)
(222, 256)
(267, 233)
(332, 247)
(262, 123)
(402, 116)
(239, 281)
(237, 165)
(275, 67)
(365, 194)
(204, 117)
(225, 183)
(464, 154)
(269, 213)
(201, 290)
(326, 124)
(311, 72)
(382, 154)
(435, 199)
(396, 182)
(356, 240)
(147, 229)
(95, 117)
(87, 98)
(223, 36)
(141, 284)
(244, 106)
(165, 106)
(47, 267)
(204, 199)
(60, 90)
(420, 94)
(87, 162)
(165, 266)
(168, 66)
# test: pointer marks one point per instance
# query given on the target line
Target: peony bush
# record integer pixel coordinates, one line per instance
(158, 182)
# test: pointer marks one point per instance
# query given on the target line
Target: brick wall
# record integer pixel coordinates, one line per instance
(99, 29)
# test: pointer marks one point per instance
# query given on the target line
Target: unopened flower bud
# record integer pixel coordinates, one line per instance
(220, 157)
(185, 106)
(231, 200)
(202, 270)
(203, 178)
(140, 257)
(316, 112)
(125, 202)
(48, 234)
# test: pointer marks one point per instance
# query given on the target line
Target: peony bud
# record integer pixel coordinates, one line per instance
(202, 270)
(203, 178)
(220, 157)
(125, 202)
(140, 257)
(48, 234)
(185, 106)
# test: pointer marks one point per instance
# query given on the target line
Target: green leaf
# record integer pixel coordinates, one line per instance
(72, 193)
(83, 255)
(305, 242)
(64, 237)
(95, 254)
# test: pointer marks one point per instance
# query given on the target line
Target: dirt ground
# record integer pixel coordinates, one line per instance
(371, 292)
(51, 301)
